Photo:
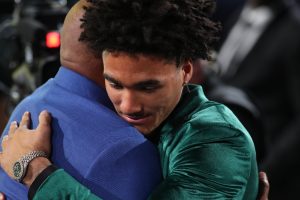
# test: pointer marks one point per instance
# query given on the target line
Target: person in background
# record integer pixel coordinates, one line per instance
(4, 106)
(5, 100)
(226, 13)
(260, 56)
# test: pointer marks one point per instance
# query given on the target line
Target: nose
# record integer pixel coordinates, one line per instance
(130, 104)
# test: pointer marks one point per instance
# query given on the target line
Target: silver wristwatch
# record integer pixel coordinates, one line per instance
(20, 167)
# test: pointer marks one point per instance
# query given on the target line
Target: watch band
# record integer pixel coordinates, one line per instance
(20, 166)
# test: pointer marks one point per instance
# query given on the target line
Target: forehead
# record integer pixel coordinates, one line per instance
(138, 66)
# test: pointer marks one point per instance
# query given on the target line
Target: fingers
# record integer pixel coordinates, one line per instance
(12, 128)
(44, 122)
(25, 122)
(2, 197)
(264, 186)
(4, 139)
(44, 119)
(263, 177)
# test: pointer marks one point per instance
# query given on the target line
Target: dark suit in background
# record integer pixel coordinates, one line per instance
(269, 72)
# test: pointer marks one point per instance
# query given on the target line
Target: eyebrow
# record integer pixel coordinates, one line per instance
(138, 84)
(111, 79)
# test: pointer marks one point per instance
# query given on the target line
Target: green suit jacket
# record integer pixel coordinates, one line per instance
(205, 151)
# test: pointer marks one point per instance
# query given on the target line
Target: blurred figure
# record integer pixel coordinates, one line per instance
(261, 57)
(3, 108)
(225, 9)
(31, 39)
(6, 8)
(226, 13)
(5, 83)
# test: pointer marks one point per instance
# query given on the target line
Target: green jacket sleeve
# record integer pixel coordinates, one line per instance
(201, 167)
(60, 185)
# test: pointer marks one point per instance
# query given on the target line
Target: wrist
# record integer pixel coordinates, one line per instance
(35, 167)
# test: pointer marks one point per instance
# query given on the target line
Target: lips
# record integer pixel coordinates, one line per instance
(136, 120)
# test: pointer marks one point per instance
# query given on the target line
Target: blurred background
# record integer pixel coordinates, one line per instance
(254, 70)
(30, 42)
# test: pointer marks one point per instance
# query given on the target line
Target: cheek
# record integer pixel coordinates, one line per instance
(165, 103)
(171, 98)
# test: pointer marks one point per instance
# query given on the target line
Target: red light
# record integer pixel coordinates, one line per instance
(53, 39)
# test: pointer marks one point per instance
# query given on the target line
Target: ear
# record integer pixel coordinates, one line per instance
(187, 68)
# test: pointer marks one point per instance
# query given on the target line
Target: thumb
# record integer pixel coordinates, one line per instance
(264, 186)
(2, 197)
(44, 126)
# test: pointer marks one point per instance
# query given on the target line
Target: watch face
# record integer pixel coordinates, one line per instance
(18, 170)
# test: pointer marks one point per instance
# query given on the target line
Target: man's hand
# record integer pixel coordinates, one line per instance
(21, 141)
(264, 187)
(2, 196)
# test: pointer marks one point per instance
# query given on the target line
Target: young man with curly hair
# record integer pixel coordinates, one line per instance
(148, 47)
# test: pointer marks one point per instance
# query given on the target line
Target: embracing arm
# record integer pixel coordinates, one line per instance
(207, 169)
(136, 169)
(57, 184)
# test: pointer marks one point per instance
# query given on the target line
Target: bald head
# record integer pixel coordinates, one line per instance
(75, 55)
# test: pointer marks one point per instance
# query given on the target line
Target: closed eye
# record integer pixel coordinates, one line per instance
(147, 88)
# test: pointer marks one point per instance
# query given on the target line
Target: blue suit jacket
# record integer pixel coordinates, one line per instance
(90, 141)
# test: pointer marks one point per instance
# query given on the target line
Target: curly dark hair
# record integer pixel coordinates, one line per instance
(171, 29)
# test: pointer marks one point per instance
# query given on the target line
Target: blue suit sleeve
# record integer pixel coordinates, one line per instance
(132, 174)
(136, 172)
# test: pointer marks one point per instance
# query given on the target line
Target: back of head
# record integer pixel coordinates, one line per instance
(171, 29)
(75, 54)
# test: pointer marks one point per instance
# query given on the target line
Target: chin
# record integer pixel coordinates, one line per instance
(144, 131)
